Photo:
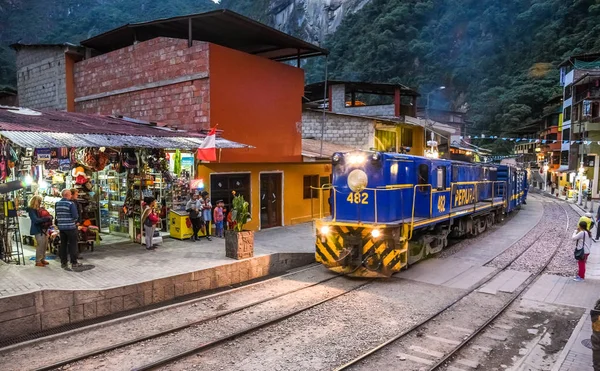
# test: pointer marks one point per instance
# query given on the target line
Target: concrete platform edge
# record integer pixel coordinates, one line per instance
(45, 309)
(574, 335)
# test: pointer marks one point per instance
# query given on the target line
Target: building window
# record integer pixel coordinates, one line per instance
(423, 174)
(385, 140)
(221, 186)
(567, 113)
(564, 158)
(406, 137)
(553, 136)
(310, 182)
(568, 92)
(566, 134)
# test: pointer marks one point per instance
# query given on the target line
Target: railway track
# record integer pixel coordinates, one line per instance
(205, 320)
(410, 342)
(206, 345)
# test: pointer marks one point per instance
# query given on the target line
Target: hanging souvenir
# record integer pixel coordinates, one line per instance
(130, 159)
(58, 178)
(53, 153)
(42, 154)
(102, 161)
(64, 164)
(177, 161)
(3, 168)
(52, 164)
(63, 152)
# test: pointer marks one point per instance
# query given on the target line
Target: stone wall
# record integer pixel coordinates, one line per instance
(43, 310)
(346, 130)
(158, 80)
(41, 77)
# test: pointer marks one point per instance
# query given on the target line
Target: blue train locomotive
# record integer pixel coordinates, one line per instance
(389, 210)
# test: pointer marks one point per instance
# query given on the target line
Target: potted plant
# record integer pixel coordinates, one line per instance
(239, 243)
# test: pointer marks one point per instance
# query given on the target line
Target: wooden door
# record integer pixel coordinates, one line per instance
(270, 200)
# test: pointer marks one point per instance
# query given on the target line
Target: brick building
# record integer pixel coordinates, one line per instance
(367, 116)
(198, 71)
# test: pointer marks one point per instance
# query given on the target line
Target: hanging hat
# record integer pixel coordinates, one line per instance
(79, 171)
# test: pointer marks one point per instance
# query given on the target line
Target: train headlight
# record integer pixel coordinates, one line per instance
(376, 233)
(356, 159)
(357, 180)
(324, 229)
(336, 158)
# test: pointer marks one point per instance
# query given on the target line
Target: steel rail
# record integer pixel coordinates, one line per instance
(498, 313)
(205, 346)
(177, 328)
(427, 320)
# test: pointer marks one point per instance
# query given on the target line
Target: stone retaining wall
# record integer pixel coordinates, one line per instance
(46, 309)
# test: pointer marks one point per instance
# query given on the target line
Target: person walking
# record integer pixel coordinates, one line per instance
(149, 221)
(193, 208)
(206, 213)
(583, 238)
(39, 226)
(66, 219)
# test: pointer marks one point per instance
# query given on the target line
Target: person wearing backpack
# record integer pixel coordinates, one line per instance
(583, 238)
(41, 220)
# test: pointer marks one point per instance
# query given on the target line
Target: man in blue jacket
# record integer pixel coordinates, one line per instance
(66, 221)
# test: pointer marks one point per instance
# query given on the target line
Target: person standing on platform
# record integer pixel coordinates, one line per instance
(39, 225)
(218, 218)
(193, 208)
(206, 213)
(587, 219)
(66, 219)
(149, 220)
(583, 238)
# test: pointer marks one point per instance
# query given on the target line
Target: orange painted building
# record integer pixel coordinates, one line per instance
(215, 69)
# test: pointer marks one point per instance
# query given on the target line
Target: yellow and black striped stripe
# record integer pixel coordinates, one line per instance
(378, 256)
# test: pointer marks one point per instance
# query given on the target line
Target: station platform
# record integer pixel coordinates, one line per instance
(124, 276)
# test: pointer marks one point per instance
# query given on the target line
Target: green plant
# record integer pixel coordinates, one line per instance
(240, 212)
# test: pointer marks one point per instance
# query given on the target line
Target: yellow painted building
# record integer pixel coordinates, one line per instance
(280, 194)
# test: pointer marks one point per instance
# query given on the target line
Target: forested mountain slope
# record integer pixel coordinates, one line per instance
(496, 58)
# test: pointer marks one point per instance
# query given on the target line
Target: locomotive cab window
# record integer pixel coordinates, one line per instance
(441, 177)
(423, 176)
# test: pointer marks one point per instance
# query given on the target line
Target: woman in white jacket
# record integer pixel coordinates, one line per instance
(584, 239)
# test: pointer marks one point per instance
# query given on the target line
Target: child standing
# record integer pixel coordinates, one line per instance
(218, 218)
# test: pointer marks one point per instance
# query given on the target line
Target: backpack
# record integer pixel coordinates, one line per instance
(43, 213)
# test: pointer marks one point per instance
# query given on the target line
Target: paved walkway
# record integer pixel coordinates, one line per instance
(465, 268)
(129, 263)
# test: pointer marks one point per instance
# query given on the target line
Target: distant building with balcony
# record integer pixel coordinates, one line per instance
(580, 76)
(370, 116)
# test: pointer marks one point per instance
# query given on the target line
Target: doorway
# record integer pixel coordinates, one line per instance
(270, 200)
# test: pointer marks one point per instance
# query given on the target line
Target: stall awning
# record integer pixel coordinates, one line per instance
(53, 129)
(28, 139)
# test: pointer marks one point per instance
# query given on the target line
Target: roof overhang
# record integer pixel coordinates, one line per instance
(316, 91)
(52, 129)
(221, 27)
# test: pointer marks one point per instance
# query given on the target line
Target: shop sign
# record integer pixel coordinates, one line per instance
(197, 184)
(43, 154)
(26, 161)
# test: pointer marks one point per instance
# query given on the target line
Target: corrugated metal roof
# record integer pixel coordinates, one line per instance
(221, 27)
(51, 129)
(29, 139)
(312, 148)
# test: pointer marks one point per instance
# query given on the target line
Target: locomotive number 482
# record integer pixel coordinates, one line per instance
(358, 198)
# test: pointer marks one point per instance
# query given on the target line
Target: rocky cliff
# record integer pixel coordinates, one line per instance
(311, 20)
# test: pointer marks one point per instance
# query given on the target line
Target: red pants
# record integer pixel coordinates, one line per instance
(581, 264)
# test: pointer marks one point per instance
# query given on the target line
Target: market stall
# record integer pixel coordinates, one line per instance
(112, 162)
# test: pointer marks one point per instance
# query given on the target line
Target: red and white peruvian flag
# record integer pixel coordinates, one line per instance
(207, 150)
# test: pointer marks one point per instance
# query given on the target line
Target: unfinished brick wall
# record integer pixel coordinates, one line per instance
(41, 77)
(157, 80)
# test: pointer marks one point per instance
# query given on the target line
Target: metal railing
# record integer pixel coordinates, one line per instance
(499, 186)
